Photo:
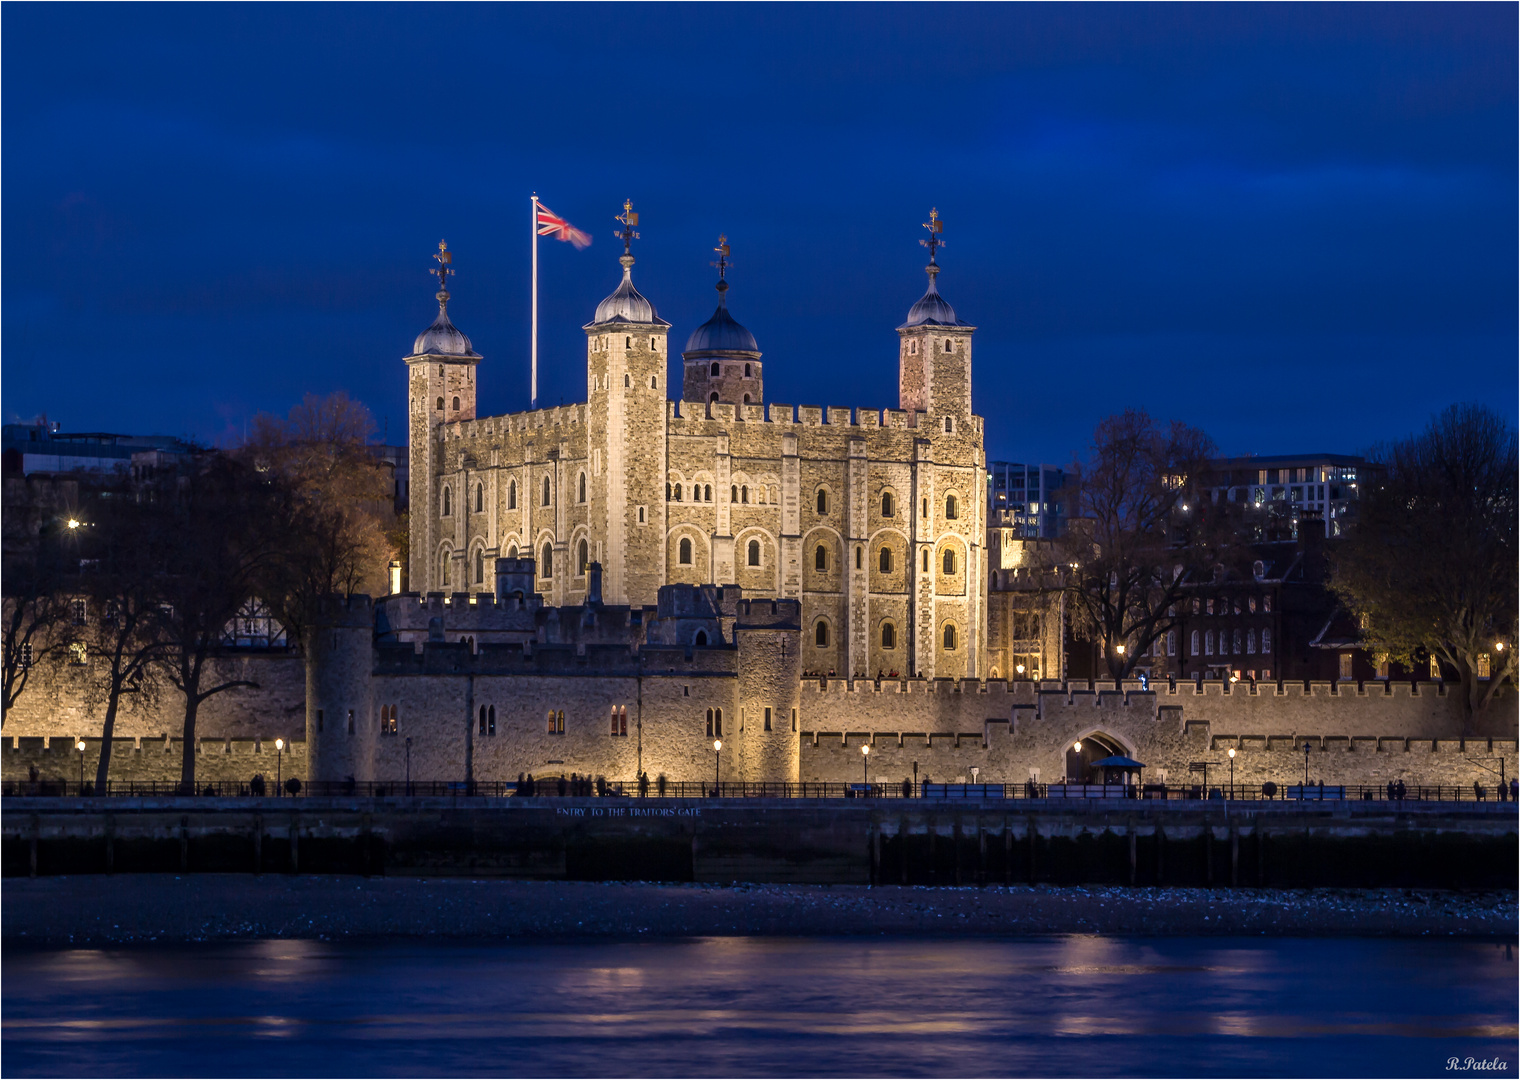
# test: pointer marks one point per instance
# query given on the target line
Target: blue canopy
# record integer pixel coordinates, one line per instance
(1117, 762)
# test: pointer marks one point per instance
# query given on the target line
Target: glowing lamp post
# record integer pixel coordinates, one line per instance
(1232, 772)
(1306, 770)
(408, 764)
(717, 765)
(80, 747)
(279, 762)
(73, 523)
(865, 758)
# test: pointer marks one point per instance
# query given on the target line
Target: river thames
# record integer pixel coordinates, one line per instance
(743, 1006)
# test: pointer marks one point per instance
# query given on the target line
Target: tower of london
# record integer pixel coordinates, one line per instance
(870, 518)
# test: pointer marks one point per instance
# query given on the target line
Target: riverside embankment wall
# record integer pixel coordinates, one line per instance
(879, 842)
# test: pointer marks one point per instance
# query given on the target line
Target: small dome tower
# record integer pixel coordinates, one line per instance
(722, 357)
(934, 350)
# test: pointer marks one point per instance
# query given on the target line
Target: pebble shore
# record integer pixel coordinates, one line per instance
(217, 907)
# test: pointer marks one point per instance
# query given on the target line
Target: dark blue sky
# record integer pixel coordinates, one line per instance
(1293, 226)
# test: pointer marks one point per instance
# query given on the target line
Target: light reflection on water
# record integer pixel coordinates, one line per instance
(1079, 1005)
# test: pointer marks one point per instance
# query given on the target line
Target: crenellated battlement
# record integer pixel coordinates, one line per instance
(679, 413)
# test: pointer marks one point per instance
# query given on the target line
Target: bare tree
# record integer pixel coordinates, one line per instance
(1431, 565)
(118, 640)
(221, 525)
(1139, 534)
(35, 561)
(335, 532)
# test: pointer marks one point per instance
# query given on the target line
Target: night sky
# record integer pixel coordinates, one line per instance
(1292, 226)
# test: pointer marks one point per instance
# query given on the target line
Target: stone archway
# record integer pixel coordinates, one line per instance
(1095, 746)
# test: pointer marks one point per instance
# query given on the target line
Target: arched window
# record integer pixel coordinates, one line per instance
(860, 557)
(823, 501)
(653, 383)
(512, 552)
(582, 558)
(744, 493)
(715, 368)
(952, 511)
(700, 639)
(440, 375)
(546, 491)
(628, 341)
(888, 636)
(614, 720)
(677, 491)
(712, 399)
(1266, 642)
(754, 553)
(949, 424)
(707, 493)
(746, 399)
(926, 560)
(480, 566)
(582, 488)
(685, 556)
(1208, 643)
(445, 565)
(668, 495)
(949, 636)
(821, 634)
(480, 498)
(949, 560)
(626, 383)
(547, 569)
(746, 371)
(456, 404)
(821, 558)
(709, 723)
(733, 495)
(926, 506)
(512, 495)
(440, 404)
(447, 503)
(885, 562)
(1194, 643)
(949, 345)
(886, 504)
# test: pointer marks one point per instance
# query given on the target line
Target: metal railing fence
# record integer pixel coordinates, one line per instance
(584, 787)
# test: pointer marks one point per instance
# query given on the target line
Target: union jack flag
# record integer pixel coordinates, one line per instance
(551, 224)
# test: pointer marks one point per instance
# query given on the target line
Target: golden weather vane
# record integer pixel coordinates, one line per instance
(628, 219)
(443, 270)
(935, 227)
(723, 252)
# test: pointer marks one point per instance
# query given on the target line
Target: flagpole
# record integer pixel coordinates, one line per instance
(533, 394)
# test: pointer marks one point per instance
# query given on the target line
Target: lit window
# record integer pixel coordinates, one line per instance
(1484, 666)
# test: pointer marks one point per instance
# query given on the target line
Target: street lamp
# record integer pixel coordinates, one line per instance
(80, 747)
(408, 764)
(279, 761)
(1306, 770)
(865, 757)
(1232, 772)
(73, 523)
(717, 765)
(1119, 649)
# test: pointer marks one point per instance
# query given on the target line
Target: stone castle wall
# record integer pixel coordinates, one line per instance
(61, 701)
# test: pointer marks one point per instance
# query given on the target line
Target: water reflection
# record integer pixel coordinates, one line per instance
(752, 1006)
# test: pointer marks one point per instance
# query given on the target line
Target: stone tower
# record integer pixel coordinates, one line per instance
(934, 365)
(440, 389)
(627, 353)
(934, 350)
(722, 358)
(341, 731)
